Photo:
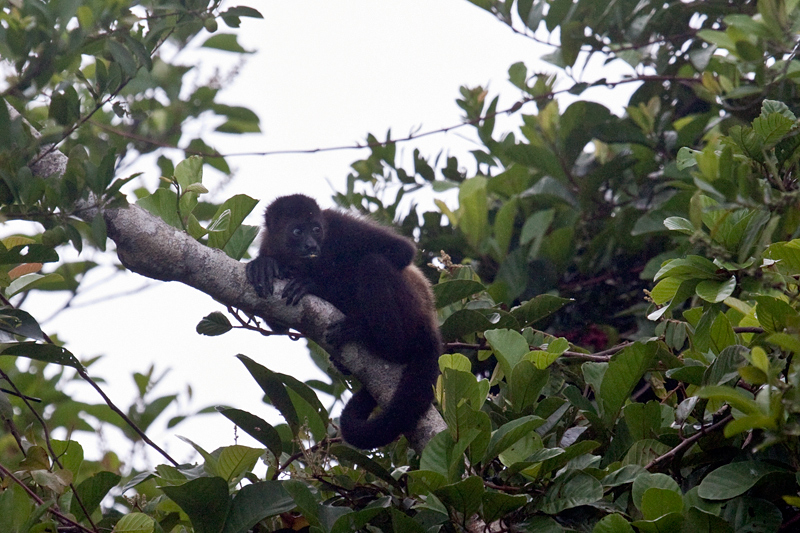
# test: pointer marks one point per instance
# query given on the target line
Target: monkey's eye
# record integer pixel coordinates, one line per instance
(297, 232)
(317, 230)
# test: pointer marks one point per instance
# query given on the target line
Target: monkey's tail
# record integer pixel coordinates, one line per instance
(412, 397)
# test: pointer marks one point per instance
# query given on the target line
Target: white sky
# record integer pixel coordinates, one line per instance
(325, 74)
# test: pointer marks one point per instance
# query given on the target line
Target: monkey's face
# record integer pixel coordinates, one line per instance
(304, 239)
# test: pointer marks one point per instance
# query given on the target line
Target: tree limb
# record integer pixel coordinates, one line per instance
(150, 247)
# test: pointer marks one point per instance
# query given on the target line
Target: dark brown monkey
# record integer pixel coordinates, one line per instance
(364, 270)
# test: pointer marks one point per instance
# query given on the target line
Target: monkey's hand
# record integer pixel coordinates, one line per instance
(262, 272)
(296, 289)
(343, 331)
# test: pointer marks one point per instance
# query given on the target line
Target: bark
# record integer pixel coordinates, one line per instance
(150, 247)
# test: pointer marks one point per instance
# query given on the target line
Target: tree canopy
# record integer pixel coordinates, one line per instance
(618, 293)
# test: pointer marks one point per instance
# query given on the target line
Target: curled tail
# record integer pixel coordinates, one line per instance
(412, 397)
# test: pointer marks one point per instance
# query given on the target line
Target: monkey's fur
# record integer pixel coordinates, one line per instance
(364, 270)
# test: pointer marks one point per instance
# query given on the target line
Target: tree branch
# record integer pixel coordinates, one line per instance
(148, 246)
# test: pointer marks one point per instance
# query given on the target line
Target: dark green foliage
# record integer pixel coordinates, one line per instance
(618, 294)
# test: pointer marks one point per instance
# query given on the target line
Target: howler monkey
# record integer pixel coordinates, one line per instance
(366, 271)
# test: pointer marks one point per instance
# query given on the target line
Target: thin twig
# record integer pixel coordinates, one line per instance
(410, 137)
(689, 442)
(600, 357)
(82, 373)
(35, 497)
(48, 442)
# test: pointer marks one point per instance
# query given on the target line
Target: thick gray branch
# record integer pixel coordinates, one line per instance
(150, 247)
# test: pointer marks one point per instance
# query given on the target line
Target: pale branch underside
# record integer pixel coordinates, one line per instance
(150, 247)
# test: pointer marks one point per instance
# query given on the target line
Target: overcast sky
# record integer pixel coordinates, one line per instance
(323, 74)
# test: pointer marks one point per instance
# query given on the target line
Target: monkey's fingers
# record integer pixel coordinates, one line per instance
(342, 332)
(261, 275)
(295, 290)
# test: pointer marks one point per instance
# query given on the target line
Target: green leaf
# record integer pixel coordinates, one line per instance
(692, 266)
(135, 523)
(623, 373)
(731, 480)
(748, 142)
(536, 157)
(464, 497)
(497, 505)
(33, 281)
(466, 321)
(644, 451)
(626, 474)
(122, 56)
(19, 322)
(238, 127)
(347, 520)
(91, 492)
(306, 503)
(357, 458)
(686, 158)
(235, 461)
(205, 500)
(643, 419)
(256, 427)
(242, 11)
(504, 226)
(49, 353)
(473, 217)
(699, 520)
(214, 324)
(444, 456)
(271, 384)
(571, 490)
(668, 522)
(237, 208)
(721, 333)
(65, 106)
(538, 308)
(164, 204)
(27, 253)
(725, 368)
(312, 418)
(736, 398)
(449, 292)
(509, 433)
(241, 240)
(69, 453)
(525, 384)
(716, 291)
(679, 224)
(788, 253)
(613, 523)
(535, 229)
(509, 347)
(518, 73)
(646, 481)
(774, 314)
(461, 396)
(189, 172)
(772, 127)
(226, 42)
(752, 514)
(256, 502)
(659, 502)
